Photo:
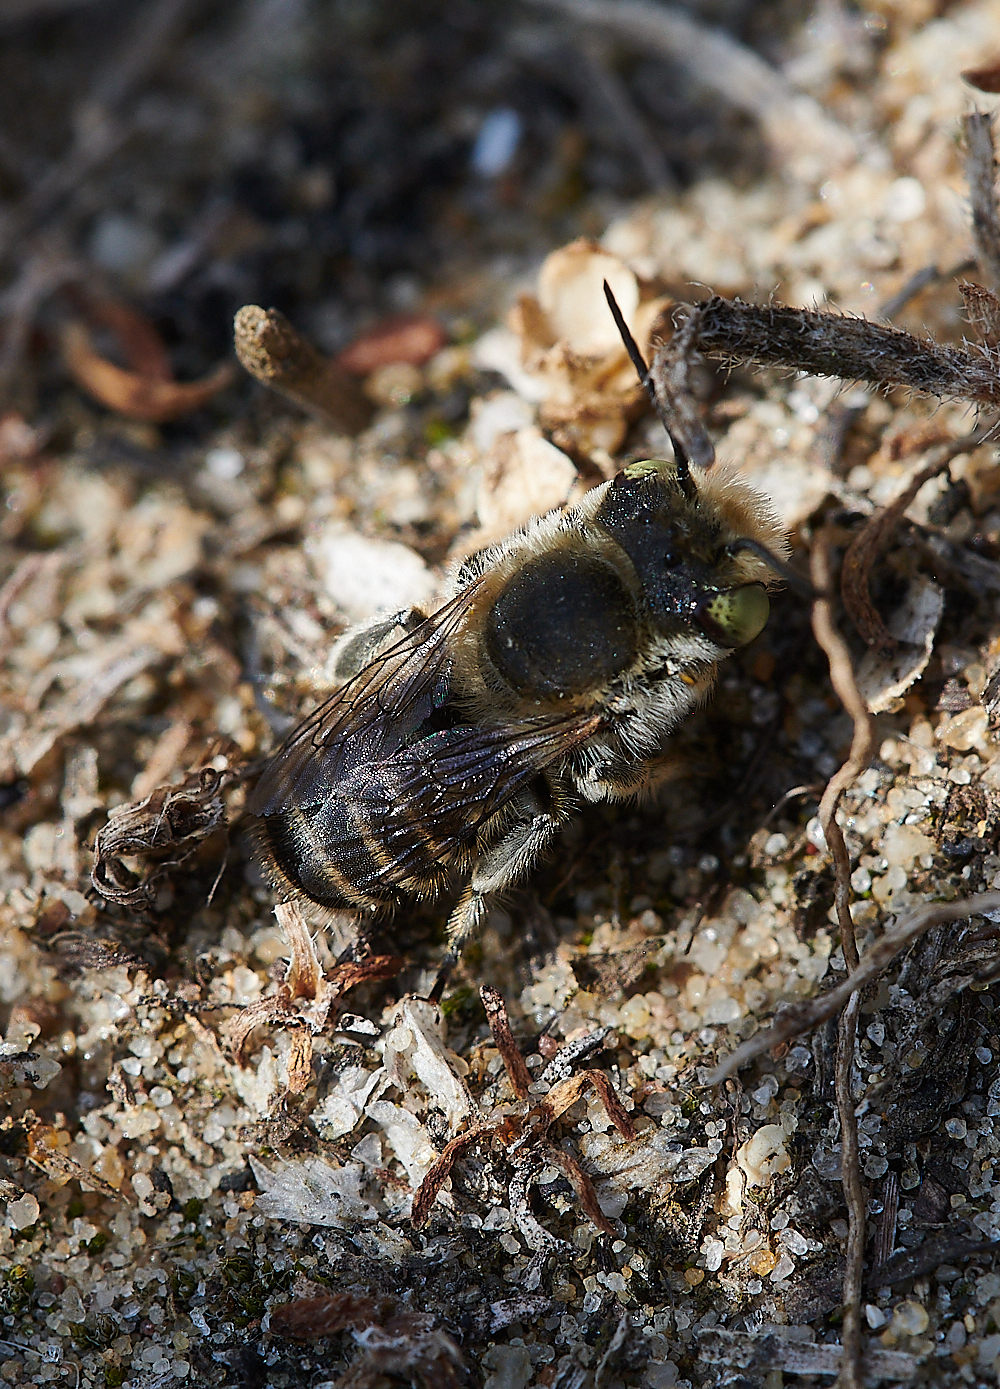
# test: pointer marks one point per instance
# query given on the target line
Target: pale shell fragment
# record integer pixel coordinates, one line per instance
(882, 680)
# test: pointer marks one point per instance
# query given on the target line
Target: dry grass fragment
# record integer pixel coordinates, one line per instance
(981, 172)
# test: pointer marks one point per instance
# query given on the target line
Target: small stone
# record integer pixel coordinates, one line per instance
(901, 844)
(957, 1336)
(910, 1319)
(784, 1268)
(694, 1276)
(762, 1261)
(874, 1316)
(989, 1349)
(956, 1128)
(713, 1250)
(23, 1212)
(794, 1242)
(510, 1367)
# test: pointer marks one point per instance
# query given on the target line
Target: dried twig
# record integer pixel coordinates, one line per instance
(669, 377)
(496, 1015)
(827, 344)
(920, 280)
(981, 171)
(872, 539)
(274, 352)
(862, 747)
(803, 1017)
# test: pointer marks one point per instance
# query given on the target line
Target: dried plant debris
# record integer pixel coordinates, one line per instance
(159, 833)
(305, 996)
(270, 349)
(395, 1341)
(146, 389)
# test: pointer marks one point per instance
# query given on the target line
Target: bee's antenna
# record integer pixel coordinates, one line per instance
(645, 380)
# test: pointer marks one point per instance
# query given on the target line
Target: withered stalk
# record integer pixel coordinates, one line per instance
(862, 747)
(277, 354)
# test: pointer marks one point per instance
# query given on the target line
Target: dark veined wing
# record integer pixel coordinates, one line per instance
(368, 719)
(441, 791)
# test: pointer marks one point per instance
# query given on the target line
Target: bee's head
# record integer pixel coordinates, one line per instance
(685, 553)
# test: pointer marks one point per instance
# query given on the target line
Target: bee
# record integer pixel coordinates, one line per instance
(554, 674)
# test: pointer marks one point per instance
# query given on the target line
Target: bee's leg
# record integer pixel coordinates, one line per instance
(360, 645)
(499, 867)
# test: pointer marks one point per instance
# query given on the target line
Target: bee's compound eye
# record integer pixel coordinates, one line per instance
(737, 616)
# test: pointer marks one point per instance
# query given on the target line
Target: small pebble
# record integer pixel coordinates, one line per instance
(910, 1319)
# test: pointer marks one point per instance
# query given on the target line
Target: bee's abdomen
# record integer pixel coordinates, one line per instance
(357, 847)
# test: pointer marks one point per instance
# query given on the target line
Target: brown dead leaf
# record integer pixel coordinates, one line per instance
(986, 78)
(496, 1015)
(440, 1171)
(141, 344)
(566, 1093)
(583, 1187)
(145, 390)
(412, 338)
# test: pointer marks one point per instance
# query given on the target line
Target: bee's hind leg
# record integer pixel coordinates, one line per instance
(498, 868)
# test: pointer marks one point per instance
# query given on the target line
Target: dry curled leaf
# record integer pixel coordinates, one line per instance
(145, 389)
(161, 832)
(986, 77)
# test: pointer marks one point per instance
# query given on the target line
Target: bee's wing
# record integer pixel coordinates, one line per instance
(448, 785)
(368, 719)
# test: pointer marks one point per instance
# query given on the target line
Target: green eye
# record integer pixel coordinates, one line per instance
(737, 616)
